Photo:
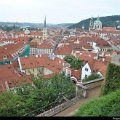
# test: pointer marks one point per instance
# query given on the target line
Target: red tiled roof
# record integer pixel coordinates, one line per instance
(98, 66)
(86, 56)
(55, 65)
(45, 45)
(34, 44)
(63, 50)
(108, 28)
(76, 74)
(13, 78)
(36, 33)
(10, 49)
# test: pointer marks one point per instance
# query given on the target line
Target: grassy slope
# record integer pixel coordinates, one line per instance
(108, 105)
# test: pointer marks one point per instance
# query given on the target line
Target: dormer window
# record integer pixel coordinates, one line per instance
(86, 69)
(5, 57)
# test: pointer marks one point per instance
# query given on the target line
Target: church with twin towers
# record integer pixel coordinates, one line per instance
(95, 25)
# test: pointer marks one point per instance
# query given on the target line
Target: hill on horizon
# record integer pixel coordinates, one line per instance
(111, 21)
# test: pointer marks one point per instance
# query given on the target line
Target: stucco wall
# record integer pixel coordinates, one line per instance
(84, 73)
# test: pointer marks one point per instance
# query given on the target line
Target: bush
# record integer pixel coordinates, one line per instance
(91, 77)
(112, 81)
(108, 105)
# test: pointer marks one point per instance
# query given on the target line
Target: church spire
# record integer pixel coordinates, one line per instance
(98, 17)
(45, 30)
(45, 22)
(91, 24)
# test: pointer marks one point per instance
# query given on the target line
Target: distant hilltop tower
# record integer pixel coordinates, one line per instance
(91, 24)
(45, 30)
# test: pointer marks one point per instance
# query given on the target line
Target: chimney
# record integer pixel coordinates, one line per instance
(6, 85)
(103, 59)
(36, 56)
(59, 61)
(63, 64)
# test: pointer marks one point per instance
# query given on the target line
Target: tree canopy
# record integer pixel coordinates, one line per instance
(75, 63)
(30, 100)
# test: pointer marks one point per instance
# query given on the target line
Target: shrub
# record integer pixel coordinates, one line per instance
(91, 77)
(112, 81)
(108, 105)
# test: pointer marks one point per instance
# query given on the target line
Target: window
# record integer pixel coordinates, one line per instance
(86, 69)
(5, 57)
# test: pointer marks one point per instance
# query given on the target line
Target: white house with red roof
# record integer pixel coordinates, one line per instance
(94, 66)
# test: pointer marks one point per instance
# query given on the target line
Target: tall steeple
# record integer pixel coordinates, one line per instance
(98, 18)
(45, 22)
(45, 30)
(14, 30)
(91, 24)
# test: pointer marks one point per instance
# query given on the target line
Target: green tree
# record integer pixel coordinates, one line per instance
(75, 63)
(112, 80)
(11, 105)
(30, 100)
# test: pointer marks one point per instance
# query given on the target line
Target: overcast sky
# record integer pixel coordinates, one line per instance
(56, 11)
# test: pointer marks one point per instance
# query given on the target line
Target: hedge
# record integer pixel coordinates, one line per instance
(112, 81)
(108, 105)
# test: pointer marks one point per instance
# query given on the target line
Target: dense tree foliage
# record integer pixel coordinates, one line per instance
(112, 81)
(41, 96)
(91, 77)
(108, 105)
(75, 63)
(9, 28)
(111, 21)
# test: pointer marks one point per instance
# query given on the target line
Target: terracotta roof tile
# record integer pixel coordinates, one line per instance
(13, 78)
(98, 66)
(55, 65)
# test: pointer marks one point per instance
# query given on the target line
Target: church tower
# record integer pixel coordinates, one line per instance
(45, 30)
(97, 24)
(91, 24)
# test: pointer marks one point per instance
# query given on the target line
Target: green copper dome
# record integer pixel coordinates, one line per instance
(97, 21)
